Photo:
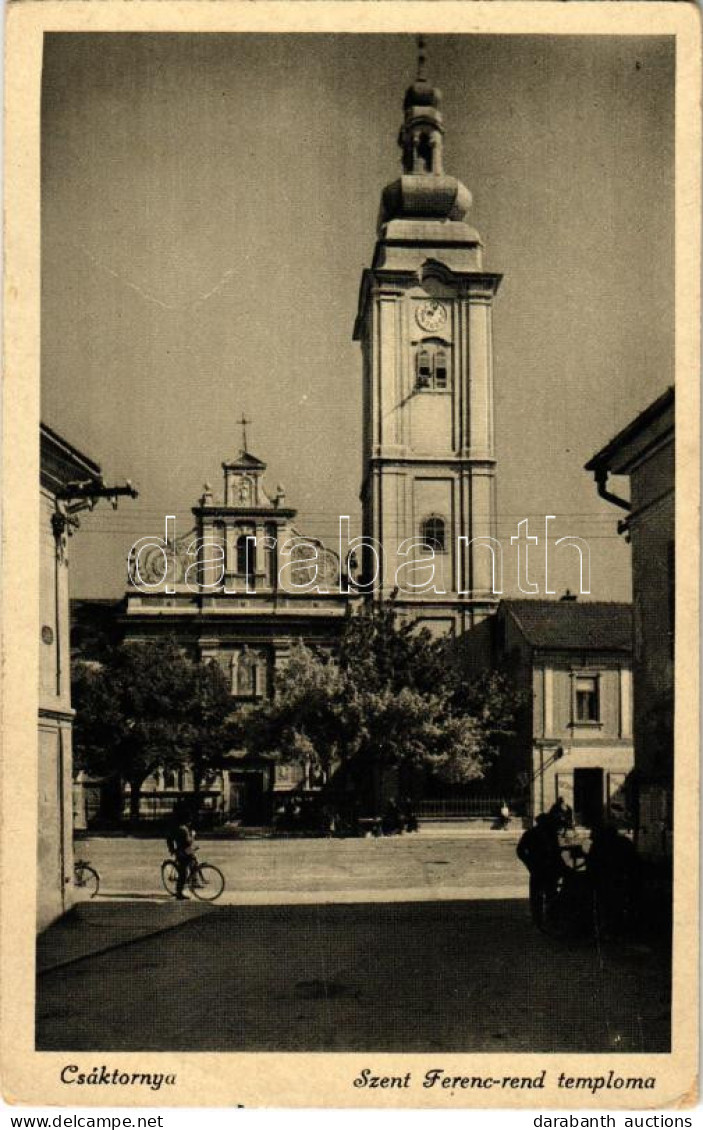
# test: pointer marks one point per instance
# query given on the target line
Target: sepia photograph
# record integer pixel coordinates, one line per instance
(357, 575)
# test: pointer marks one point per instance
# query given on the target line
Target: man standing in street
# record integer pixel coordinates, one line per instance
(540, 851)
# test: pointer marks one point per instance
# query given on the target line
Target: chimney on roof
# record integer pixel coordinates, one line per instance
(569, 595)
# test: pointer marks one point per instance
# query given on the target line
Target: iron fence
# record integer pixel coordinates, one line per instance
(476, 806)
(160, 805)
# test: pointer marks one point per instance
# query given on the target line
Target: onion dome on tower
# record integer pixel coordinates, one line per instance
(424, 191)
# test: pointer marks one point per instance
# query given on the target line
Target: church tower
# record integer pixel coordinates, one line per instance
(424, 324)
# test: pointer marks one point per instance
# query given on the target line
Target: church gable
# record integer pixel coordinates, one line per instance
(243, 543)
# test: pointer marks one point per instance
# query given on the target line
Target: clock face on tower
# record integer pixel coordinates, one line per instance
(431, 315)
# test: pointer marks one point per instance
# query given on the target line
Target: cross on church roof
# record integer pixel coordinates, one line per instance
(245, 458)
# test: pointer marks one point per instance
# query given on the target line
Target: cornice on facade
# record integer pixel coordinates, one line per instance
(217, 509)
(651, 429)
(61, 463)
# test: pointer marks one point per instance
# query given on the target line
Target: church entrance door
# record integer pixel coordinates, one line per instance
(247, 799)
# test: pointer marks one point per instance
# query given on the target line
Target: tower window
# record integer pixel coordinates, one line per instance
(433, 532)
(432, 367)
(424, 153)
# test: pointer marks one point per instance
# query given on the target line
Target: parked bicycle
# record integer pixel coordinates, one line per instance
(86, 878)
(204, 879)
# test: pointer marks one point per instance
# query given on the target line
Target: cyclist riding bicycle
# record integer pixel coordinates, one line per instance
(181, 844)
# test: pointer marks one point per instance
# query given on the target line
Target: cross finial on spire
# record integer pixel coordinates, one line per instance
(244, 423)
(421, 57)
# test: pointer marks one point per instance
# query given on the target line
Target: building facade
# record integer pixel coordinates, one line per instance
(645, 452)
(240, 589)
(571, 662)
(424, 326)
(69, 483)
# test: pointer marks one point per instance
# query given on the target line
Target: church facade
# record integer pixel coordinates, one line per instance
(245, 582)
(238, 589)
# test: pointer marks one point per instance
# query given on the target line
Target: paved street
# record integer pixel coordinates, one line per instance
(453, 973)
(271, 871)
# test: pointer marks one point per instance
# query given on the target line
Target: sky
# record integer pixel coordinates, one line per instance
(209, 203)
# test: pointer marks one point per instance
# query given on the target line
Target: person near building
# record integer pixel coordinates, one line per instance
(392, 821)
(562, 815)
(540, 851)
(612, 865)
(407, 815)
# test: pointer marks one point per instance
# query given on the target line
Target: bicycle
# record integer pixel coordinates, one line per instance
(567, 909)
(204, 879)
(86, 878)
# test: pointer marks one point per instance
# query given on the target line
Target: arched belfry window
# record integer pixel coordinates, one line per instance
(424, 153)
(246, 555)
(432, 366)
(433, 531)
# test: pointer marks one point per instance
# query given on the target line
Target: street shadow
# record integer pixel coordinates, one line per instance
(132, 896)
(96, 927)
(452, 976)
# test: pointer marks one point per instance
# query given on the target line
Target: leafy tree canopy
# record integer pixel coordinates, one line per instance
(393, 696)
(147, 706)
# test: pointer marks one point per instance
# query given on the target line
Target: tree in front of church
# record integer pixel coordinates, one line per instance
(308, 721)
(212, 729)
(392, 698)
(147, 706)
